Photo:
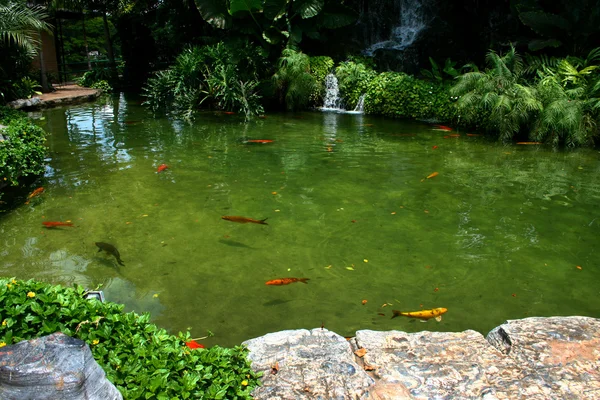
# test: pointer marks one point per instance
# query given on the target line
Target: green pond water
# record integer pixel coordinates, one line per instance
(498, 234)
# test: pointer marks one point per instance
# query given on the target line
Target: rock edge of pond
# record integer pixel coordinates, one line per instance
(62, 95)
(533, 358)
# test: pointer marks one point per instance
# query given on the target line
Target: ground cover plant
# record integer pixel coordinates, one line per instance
(22, 153)
(142, 360)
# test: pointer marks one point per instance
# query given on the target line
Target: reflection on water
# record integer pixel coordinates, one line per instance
(496, 235)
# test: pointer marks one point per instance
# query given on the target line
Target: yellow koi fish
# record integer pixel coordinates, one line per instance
(423, 315)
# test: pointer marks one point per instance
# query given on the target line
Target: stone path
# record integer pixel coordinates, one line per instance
(534, 358)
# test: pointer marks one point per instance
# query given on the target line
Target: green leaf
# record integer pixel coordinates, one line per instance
(214, 12)
(274, 9)
(308, 8)
(237, 6)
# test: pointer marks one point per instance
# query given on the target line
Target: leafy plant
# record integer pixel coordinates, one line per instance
(141, 359)
(498, 99)
(354, 79)
(22, 153)
(436, 72)
(102, 85)
(320, 66)
(293, 79)
(25, 88)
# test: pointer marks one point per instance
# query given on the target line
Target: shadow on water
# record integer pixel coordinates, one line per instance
(234, 243)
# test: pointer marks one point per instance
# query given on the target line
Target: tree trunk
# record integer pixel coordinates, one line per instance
(87, 51)
(109, 49)
(43, 77)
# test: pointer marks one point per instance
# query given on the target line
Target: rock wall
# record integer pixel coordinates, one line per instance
(533, 358)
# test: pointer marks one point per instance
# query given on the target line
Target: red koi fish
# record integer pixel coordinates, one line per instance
(443, 128)
(285, 281)
(192, 344)
(259, 141)
(244, 220)
(229, 112)
(161, 168)
(54, 224)
(434, 147)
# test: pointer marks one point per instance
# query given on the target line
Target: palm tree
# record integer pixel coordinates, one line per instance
(20, 25)
(498, 98)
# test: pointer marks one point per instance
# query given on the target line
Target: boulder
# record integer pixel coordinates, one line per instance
(52, 367)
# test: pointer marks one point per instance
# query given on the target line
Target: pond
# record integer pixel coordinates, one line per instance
(502, 232)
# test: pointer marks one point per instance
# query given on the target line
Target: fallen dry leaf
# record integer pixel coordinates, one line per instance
(370, 367)
(360, 352)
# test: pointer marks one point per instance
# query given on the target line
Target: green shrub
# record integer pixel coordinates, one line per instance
(320, 66)
(25, 88)
(102, 85)
(293, 79)
(22, 154)
(142, 360)
(354, 79)
(93, 76)
(399, 95)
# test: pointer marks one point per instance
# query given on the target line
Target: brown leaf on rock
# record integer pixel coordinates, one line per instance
(360, 352)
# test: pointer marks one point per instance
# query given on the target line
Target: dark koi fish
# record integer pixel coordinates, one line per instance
(161, 168)
(244, 220)
(110, 249)
(286, 281)
(54, 224)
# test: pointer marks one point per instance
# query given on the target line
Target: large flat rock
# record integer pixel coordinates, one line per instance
(533, 358)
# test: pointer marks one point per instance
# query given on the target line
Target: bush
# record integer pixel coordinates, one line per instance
(354, 79)
(293, 79)
(22, 154)
(399, 95)
(320, 67)
(102, 85)
(94, 77)
(142, 360)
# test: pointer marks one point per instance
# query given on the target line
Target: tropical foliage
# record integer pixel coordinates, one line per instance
(22, 153)
(208, 76)
(293, 79)
(354, 79)
(140, 359)
(498, 99)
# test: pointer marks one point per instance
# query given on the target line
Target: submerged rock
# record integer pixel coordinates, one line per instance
(53, 367)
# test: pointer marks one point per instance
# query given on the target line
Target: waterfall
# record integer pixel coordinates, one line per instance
(332, 94)
(361, 104)
(409, 23)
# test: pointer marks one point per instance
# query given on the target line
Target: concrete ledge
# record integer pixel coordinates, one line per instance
(68, 94)
(533, 358)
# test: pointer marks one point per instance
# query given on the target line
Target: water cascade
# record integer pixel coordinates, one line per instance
(361, 104)
(406, 29)
(332, 100)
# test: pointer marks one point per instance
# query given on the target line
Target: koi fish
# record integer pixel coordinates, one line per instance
(474, 134)
(434, 147)
(286, 281)
(244, 220)
(432, 175)
(161, 168)
(54, 224)
(110, 249)
(423, 315)
(443, 128)
(36, 192)
(529, 143)
(192, 344)
(228, 112)
(259, 141)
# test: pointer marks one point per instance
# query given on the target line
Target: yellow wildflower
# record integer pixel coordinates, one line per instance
(244, 383)
(4, 323)
(8, 285)
(30, 294)
(95, 342)
(2, 344)
(13, 282)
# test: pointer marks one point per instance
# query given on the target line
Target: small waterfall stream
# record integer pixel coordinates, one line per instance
(333, 102)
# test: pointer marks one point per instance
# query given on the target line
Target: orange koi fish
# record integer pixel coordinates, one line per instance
(474, 134)
(259, 141)
(434, 174)
(54, 224)
(423, 315)
(192, 344)
(286, 281)
(161, 168)
(443, 128)
(244, 220)
(36, 192)
(529, 143)
(434, 147)
(228, 112)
